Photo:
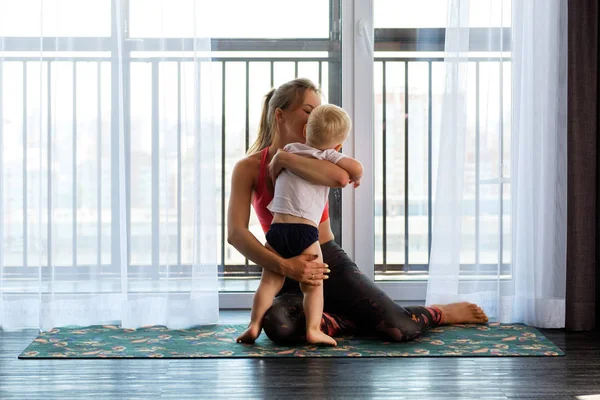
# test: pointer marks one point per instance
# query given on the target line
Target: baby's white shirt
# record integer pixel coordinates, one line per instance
(296, 196)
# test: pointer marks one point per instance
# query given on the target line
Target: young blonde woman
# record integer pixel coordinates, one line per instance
(352, 302)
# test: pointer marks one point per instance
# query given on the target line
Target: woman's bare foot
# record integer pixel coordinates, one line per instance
(315, 336)
(250, 334)
(462, 313)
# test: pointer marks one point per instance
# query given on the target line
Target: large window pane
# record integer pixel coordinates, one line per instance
(62, 18)
(230, 19)
(418, 162)
(12, 241)
(158, 106)
(434, 14)
(140, 174)
(62, 192)
(486, 220)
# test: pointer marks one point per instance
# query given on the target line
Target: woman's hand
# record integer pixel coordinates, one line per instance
(305, 269)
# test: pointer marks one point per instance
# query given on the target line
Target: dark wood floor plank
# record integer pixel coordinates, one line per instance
(577, 373)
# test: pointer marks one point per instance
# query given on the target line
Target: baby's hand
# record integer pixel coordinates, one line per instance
(355, 182)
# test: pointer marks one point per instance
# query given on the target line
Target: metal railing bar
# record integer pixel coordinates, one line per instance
(223, 142)
(49, 163)
(99, 161)
(179, 174)
(155, 165)
(25, 205)
(384, 166)
(477, 163)
(247, 127)
(406, 144)
(74, 165)
(429, 156)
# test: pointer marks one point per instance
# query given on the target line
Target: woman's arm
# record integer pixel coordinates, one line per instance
(319, 172)
(301, 268)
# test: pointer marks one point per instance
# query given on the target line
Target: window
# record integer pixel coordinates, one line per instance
(409, 85)
(248, 59)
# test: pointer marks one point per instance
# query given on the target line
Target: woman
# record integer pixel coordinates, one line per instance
(352, 302)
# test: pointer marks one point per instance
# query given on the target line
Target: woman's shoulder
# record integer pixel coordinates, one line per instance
(249, 166)
(251, 161)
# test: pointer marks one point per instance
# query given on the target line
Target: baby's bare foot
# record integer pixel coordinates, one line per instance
(315, 336)
(462, 313)
(250, 334)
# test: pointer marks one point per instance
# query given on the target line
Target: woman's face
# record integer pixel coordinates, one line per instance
(291, 124)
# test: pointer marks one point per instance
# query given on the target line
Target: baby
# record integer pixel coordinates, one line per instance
(297, 207)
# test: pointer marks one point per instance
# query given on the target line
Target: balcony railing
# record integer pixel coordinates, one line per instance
(406, 164)
(406, 99)
(243, 75)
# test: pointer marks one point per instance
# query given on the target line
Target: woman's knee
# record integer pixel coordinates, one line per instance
(399, 330)
(279, 326)
(398, 335)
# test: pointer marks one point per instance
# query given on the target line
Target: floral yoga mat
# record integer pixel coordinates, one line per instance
(218, 341)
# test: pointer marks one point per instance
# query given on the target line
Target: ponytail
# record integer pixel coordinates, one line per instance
(283, 97)
(265, 128)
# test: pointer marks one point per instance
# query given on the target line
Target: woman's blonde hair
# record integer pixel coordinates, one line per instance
(284, 97)
(328, 125)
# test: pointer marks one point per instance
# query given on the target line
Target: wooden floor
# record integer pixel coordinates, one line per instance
(576, 374)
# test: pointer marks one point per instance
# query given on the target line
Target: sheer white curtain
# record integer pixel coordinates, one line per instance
(107, 169)
(499, 217)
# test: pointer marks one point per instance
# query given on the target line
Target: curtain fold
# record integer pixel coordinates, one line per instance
(499, 217)
(108, 193)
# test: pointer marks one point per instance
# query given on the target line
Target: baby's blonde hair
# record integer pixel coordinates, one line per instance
(328, 125)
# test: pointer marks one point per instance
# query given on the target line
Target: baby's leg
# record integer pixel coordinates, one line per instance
(270, 285)
(313, 305)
